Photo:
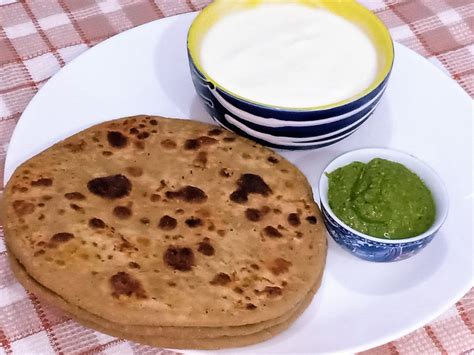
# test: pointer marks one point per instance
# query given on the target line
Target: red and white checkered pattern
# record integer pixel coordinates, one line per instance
(38, 37)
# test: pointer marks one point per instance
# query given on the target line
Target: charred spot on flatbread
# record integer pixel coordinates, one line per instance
(23, 208)
(253, 214)
(44, 182)
(117, 139)
(77, 196)
(124, 284)
(97, 223)
(273, 160)
(168, 144)
(193, 222)
(167, 223)
(250, 184)
(206, 248)
(122, 212)
(280, 266)
(189, 194)
(181, 259)
(221, 279)
(192, 144)
(215, 132)
(272, 232)
(110, 187)
(294, 219)
(60, 238)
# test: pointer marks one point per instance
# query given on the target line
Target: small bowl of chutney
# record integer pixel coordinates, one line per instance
(382, 205)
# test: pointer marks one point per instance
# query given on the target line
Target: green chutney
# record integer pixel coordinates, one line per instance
(382, 198)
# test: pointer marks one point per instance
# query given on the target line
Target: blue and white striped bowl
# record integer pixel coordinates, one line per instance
(290, 128)
(378, 249)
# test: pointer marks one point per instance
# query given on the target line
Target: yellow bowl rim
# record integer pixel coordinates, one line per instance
(381, 76)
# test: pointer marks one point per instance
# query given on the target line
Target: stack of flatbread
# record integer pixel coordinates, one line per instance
(168, 232)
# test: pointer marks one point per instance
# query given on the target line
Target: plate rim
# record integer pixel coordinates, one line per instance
(90, 52)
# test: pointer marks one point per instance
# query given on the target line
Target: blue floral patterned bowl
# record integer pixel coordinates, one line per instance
(282, 127)
(377, 249)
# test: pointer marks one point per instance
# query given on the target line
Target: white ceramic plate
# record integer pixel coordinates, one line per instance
(360, 304)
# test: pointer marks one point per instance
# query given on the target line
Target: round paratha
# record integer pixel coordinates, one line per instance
(186, 337)
(161, 222)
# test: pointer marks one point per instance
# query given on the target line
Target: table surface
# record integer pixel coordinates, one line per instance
(38, 37)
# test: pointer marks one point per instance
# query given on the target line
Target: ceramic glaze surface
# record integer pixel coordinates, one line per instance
(292, 130)
(371, 250)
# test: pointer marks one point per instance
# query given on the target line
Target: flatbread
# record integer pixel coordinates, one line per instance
(161, 222)
(161, 332)
(151, 338)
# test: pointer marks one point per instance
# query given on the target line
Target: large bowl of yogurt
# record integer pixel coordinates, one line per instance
(290, 74)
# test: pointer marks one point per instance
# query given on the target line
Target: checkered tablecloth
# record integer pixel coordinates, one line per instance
(38, 37)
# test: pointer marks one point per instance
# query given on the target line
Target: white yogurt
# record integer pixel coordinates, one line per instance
(289, 55)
